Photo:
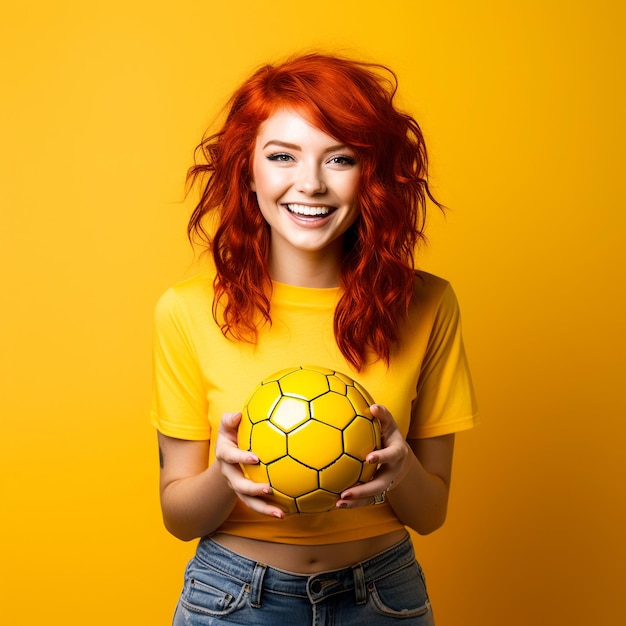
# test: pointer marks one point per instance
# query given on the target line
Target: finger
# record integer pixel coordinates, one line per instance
(392, 453)
(227, 452)
(353, 503)
(382, 483)
(374, 492)
(385, 419)
(382, 414)
(230, 422)
(227, 449)
(252, 494)
(241, 485)
(259, 505)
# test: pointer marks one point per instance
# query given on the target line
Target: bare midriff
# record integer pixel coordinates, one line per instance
(310, 559)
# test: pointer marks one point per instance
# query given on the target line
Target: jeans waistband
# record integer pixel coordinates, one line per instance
(316, 587)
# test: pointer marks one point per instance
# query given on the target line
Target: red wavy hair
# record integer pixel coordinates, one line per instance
(353, 103)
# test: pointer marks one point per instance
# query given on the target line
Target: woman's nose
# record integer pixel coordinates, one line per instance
(310, 180)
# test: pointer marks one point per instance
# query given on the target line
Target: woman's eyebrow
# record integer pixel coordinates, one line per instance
(282, 144)
(293, 146)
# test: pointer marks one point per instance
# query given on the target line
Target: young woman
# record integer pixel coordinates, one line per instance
(313, 198)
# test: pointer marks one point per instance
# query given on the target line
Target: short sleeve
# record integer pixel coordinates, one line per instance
(445, 401)
(179, 404)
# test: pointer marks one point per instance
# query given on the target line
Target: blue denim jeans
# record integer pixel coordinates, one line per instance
(223, 587)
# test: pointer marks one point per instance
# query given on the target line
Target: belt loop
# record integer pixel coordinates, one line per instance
(359, 584)
(256, 584)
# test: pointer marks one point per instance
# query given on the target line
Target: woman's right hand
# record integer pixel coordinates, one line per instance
(229, 456)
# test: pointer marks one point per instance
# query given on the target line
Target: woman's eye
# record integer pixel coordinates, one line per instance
(343, 160)
(280, 157)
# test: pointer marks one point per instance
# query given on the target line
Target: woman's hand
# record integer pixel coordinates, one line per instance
(229, 457)
(393, 461)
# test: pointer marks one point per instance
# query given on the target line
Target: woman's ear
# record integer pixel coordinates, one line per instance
(252, 186)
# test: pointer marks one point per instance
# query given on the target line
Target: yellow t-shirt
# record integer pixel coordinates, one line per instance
(199, 374)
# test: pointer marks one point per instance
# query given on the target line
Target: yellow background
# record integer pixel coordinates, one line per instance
(523, 108)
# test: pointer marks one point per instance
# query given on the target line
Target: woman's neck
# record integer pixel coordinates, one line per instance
(316, 270)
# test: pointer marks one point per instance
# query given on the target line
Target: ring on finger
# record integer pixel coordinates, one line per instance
(380, 498)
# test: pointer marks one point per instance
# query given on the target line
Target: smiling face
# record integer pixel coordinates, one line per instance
(306, 184)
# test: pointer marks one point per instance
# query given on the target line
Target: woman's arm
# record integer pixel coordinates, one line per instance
(420, 500)
(416, 475)
(196, 499)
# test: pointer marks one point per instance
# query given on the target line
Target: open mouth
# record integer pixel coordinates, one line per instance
(304, 210)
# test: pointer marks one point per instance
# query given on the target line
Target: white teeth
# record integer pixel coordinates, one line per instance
(303, 209)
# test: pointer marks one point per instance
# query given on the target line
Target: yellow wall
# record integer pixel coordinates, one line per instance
(523, 107)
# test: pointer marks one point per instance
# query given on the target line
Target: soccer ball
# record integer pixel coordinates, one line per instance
(311, 428)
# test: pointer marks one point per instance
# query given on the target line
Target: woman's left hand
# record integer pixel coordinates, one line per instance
(393, 461)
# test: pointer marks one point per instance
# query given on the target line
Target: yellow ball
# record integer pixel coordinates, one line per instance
(311, 428)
